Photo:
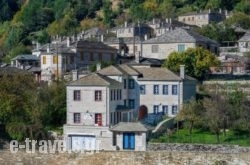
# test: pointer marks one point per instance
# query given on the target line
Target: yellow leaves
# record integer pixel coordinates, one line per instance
(88, 23)
(150, 5)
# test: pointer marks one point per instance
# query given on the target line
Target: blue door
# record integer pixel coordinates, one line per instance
(129, 141)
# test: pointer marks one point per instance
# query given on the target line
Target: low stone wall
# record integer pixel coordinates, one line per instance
(126, 158)
(197, 148)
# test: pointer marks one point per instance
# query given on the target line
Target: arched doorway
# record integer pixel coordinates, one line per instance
(143, 112)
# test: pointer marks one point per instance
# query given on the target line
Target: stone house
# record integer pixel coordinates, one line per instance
(60, 57)
(96, 103)
(177, 40)
(203, 17)
(244, 43)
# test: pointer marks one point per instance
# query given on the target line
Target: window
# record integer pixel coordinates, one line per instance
(174, 89)
(131, 103)
(120, 94)
(77, 95)
(142, 90)
(181, 48)
(55, 59)
(111, 94)
(125, 83)
(100, 56)
(117, 94)
(91, 57)
(165, 110)
(156, 109)
(165, 89)
(155, 48)
(131, 84)
(44, 59)
(174, 109)
(98, 119)
(81, 56)
(77, 117)
(156, 89)
(125, 102)
(71, 59)
(98, 95)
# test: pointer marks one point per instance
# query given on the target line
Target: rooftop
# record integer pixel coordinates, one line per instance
(129, 127)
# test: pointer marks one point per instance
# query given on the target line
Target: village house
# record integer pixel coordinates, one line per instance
(177, 40)
(102, 107)
(60, 57)
(244, 43)
(203, 17)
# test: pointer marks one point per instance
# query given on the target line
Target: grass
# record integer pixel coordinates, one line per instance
(204, 137)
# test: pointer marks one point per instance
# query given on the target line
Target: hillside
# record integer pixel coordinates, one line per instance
(24, 21)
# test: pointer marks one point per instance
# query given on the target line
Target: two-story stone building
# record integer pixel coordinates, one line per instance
(99, 102)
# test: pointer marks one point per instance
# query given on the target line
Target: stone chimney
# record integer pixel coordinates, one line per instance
(98, 66)
(74, 75)
(125, 24)
(182, 71)
(145, 37)
(153, 21)
(68, 41)
(137, 57)
(48, 49)
(170, 20)
(102, 38)
(166, 20)
(37, 45)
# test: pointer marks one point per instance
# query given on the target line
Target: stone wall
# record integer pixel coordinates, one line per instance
(162, 157)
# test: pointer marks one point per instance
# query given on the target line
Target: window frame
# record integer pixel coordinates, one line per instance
(77, 117)
(174, 109)
(77, 95)
(156, 108)
(131, 103)
(156, 90)
(174, 90)
(98, 95)
(143, 89)
(131, 84)
(165, 89)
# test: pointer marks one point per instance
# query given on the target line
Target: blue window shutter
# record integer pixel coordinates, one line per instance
(125, 141)
(132, 141)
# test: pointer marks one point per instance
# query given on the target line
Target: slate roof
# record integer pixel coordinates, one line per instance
(26, 57)
(12, 70)
(93, 45)
(129, 127)
(127, 40)
(94, 79)
(61, 47)
(118, 70)
(245, 37)
(180, 35)
(156, 74)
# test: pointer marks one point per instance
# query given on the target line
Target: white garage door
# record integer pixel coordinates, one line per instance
(80, 142)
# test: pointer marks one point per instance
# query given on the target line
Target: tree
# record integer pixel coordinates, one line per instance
(214, 114)
(191, 113)
(197, 61)
(239, 19)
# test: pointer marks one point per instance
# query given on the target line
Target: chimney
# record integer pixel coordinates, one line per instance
(74, 75)
(102, 38)
(68, 41)
(48, 48)
(37, 45)
(182, 71)
(220, 11)
(166, 20)
(125, 24)
(153, 21)
(209, 10)
(170, 20)
(137, 57)
(145, 37)
(98, 66)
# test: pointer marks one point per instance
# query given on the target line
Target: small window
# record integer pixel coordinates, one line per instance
(174, 90)
(165, 89)
(91, 57)
(174, 110)
(131, 103)
(44, 59)
(156, 109)
(100, 56)
(156, 89)
(77, 95)
(155, 48)
(125, 102)
(165, 110)
(98, 119)
(131, 84)
(125, 83)
(71, 59)
(142, 90)
(77, 117)
(81, 56)
(55, 59)
(181, 48)
(111, 94)
(98, 95)
(117, 94)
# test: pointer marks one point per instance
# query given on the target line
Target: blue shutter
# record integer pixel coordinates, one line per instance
(132, 141)
(125, 141)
